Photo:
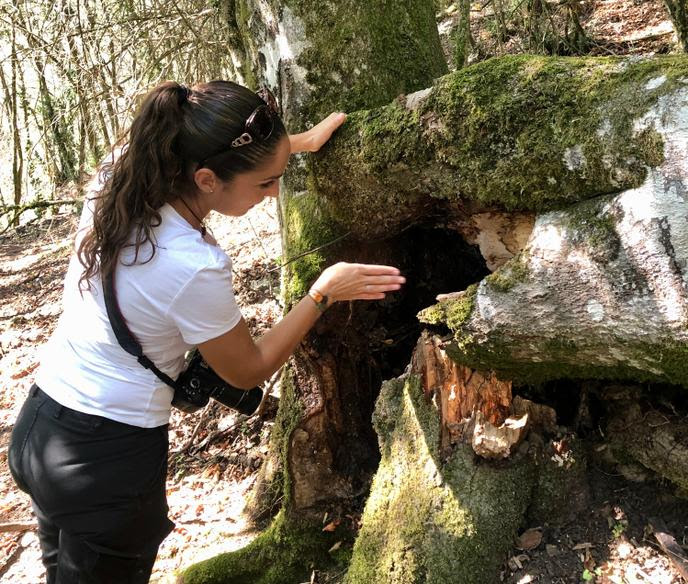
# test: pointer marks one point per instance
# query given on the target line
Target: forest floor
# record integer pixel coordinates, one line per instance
(215, 455)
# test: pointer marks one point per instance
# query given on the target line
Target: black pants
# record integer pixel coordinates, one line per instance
(98, 491)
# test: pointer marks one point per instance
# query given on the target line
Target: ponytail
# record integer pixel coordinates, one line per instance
(174, 129)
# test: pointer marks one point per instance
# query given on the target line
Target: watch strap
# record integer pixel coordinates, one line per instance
(319, 298)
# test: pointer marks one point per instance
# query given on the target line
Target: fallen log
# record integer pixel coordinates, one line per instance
(517, 133)
(601, 288)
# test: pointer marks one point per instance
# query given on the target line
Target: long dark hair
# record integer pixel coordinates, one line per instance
(174, 129)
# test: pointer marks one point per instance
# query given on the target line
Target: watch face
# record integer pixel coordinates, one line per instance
(316, 296)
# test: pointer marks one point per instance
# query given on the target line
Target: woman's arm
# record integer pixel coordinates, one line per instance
(245, 363)
(313, 139)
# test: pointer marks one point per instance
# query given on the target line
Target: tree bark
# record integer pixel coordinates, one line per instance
(601, 288)
(513, 134)
(679, 16)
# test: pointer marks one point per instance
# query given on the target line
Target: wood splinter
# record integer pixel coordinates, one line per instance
(475, 407)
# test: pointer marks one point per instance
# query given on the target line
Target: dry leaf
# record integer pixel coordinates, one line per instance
(582, 546)
(335, 547)
(332, 525)
(529, 539)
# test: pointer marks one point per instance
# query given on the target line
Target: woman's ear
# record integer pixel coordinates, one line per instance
(206, 180)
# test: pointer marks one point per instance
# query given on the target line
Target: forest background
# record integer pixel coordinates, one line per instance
(70, 75)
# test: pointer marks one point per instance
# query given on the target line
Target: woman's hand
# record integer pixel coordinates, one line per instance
(345, 281)
(313, 139)
(245, 363)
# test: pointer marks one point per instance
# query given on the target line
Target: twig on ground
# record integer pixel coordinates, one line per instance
(201, 420)
(17, 526)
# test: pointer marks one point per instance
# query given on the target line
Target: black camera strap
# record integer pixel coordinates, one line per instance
(124, 336)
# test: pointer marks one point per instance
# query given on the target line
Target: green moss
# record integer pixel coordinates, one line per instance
(510, 121)
(517, 132)
(558, 358)
(289, 415)
(593, 227)
(429, 520)
(509, 275)
(284, 554)
(452, 312)
(307, 227)
(359, 56)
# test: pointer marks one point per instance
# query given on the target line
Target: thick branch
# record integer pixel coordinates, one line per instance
(514, 133)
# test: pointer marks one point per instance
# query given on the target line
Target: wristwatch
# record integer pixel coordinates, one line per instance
(319, 299)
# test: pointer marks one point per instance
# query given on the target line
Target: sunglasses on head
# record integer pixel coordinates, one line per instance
(258, 126)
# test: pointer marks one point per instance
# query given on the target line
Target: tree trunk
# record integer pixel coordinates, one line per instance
(679, 16)
(322, 57)
(463, 41)
(491, 168)
(438, 511)
(17, 151)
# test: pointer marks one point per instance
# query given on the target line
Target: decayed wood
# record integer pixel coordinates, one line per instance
(656, 440)
(475, 407)
(670, 546)
(500, 236)
(601, 288)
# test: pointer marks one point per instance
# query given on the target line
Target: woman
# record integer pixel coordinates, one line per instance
(90, 444)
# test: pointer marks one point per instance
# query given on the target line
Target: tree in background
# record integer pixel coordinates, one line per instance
(72, 71)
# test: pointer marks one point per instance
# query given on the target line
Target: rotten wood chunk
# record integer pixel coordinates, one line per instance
(475, 407)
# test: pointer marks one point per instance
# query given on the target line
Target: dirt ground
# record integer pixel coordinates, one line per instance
(214, 455)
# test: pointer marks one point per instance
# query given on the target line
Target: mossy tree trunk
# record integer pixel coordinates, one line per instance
(320, 57)
(678, 10)
(499, 159)
(463, 41)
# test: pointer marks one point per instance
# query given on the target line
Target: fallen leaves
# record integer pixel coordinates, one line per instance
(529, 539)
(332, 525)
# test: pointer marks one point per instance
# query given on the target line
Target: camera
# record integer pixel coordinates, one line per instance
(198, 383)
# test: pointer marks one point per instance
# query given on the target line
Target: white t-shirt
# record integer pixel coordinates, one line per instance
(181, 298)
